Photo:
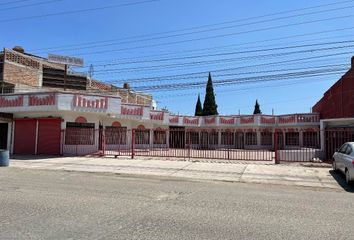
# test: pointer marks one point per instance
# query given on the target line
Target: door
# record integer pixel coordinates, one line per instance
(347, 158)
(3, 135)
(239, 140)
(177, 137)
(25, 136)
(49, 137)
(280, 139)
(339, 157)
(204, 140)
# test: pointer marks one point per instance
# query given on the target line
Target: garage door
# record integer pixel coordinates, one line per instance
(25, 136)
(48, 137)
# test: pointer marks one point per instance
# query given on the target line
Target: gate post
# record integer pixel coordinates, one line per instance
(133, 143)
(276, 160)
(103, 142)
(189, 144)
(62, 139)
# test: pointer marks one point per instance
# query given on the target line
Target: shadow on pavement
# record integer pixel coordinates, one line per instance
(340, 178)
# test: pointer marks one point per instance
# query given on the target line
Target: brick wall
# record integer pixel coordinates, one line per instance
(338, 101)
(17, 74)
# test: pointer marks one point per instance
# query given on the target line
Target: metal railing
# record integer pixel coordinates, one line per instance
(227, 144)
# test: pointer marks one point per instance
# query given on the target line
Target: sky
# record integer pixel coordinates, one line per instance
(286, 54)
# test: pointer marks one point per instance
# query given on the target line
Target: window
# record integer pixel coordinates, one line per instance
(292, 139)
(142, 136)
(116, 135)
(80, 133)
(343, 148)
(266, 138)
(227, 138)
(159, 137)
(349, 150)
(214, 138)
(251, 138)
(310, 139)
(193, 137)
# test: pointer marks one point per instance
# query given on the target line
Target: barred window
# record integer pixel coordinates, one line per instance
(160, 137)
(251, 138)
(310, 139)
(193, 137)
(227, 138)
(116, 135)
(292, 139)
(80, 133)
(266, 138)
(142, 136)
(213, 138)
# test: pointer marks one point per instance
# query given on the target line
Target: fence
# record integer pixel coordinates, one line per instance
(251, 145)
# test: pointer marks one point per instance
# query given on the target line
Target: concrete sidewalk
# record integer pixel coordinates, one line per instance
(250, 172)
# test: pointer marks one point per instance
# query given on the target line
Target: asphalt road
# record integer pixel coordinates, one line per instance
(38, 204)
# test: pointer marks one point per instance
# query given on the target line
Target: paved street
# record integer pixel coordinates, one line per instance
(43, 204)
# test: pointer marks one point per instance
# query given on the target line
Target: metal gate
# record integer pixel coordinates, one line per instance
(25, 136)
(49, 137)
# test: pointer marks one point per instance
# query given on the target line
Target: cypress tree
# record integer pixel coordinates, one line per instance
(209, 106)
(198, 108)
(257, 109)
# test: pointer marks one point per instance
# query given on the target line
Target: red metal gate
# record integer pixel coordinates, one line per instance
(190, 143)
(48, 137)
(25, 136)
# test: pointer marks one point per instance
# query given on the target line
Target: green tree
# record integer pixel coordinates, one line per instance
(210, 107)
(257, 109)
(198, 108)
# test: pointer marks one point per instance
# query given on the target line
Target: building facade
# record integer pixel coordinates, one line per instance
(47, 111)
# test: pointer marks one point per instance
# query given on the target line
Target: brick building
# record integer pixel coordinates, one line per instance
(338, 100)
(21, 71)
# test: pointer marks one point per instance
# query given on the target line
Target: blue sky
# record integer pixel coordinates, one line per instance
(125, 43)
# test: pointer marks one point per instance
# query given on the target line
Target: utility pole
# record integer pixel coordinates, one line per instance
(91, 71)
(65, 76)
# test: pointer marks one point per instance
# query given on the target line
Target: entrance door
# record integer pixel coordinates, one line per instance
(25, 136)
(3, 135)
(280, 139)
(204, 140)
(239, 140)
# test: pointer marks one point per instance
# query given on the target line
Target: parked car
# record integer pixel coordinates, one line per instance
(343, 160)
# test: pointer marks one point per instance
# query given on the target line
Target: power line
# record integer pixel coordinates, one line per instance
(215, 36)
(13, 2)
(193, 28)
(242, 73)
(30, 5)
(225, 54)
(203, 31)
(218, 90)
(77, 11)
(250, 66)
(231, 81)
(232, 45)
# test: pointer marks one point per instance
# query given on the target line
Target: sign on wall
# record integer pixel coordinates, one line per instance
(72, 61)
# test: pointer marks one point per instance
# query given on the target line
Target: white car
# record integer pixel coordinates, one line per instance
(343, 160)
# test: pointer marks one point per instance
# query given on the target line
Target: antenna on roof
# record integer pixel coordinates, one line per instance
(91, 71)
